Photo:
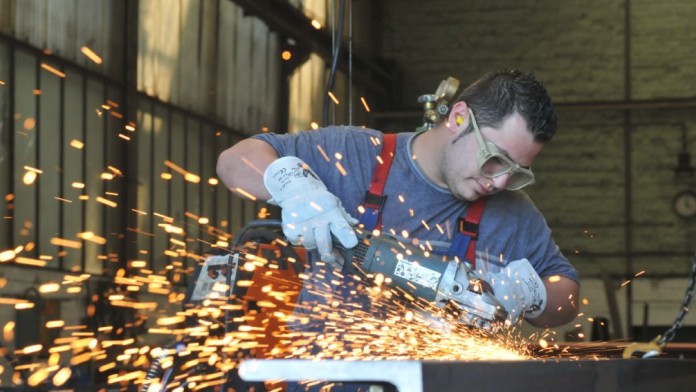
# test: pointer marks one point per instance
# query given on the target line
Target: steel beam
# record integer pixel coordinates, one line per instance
(552, 375)
(287, 20)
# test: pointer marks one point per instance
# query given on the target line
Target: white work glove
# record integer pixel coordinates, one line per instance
(520, 289)
(310, 213)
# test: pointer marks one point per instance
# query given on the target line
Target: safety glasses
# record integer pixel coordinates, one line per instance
(493, 163)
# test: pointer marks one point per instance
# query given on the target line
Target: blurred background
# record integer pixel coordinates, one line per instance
(113, 113)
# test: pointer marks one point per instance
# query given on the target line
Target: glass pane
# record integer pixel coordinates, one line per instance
(5, 152)
(143, 137)
(94, 167)
(73, 166)
(49, 159)
(24, 148)
(160, 186)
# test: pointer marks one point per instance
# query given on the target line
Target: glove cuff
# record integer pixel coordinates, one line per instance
(534, 288)
(287, 176)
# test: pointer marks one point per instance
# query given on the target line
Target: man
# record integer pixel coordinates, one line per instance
(486, 143)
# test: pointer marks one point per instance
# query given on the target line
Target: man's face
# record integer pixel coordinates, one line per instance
(461, 169)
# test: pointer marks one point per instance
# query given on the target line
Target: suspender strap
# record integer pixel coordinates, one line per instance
(375, 198)
(464, 242)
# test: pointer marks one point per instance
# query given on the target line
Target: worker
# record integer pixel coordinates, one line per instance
(483, 148)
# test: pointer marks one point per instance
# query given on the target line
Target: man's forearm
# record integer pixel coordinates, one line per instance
(241, 167)
(562, 303)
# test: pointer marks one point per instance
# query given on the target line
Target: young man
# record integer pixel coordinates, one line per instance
(483, 148)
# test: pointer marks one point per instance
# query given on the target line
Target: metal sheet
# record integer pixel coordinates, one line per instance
(567, 375)
(603, 375)
(405, 375)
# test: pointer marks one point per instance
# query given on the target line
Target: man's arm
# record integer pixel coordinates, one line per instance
(562, 302)
(241, 167)
(311, 215)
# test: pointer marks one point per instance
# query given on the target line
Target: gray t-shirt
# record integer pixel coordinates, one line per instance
(345, 158)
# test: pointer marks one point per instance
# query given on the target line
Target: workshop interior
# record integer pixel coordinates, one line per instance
(126, 264)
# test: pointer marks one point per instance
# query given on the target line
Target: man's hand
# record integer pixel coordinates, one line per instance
(520, 289)
(310, 213)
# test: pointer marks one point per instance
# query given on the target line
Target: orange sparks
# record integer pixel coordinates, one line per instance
(62, 376)
(49, 288)
(625, 283)
(90, 236)
(252, 166)
(341, 169)
(323, 153)
(29, 177)
(364, 103)
(34, 348)
(53, 70)
(188, 176)
(29, 261)
(89, 53)
(554, 279)
(333, 98)
(24, 305)
(7, 255)
(12, 301)
(77, 144)
(55, 324)
(245, 193)
(107, 202)
(138, 264)
(66, 243)
(135, 305)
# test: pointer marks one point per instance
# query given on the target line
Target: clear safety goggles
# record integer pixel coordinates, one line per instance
(493, 163)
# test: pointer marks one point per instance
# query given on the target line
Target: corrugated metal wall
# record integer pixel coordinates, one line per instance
(207, 75)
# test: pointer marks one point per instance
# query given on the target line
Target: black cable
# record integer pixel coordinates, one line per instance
(334, 62)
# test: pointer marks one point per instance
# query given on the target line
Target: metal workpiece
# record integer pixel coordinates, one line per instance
(406, 376)
(539, 375)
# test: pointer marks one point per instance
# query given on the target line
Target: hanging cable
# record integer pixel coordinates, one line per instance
(334, 62)
(350, 62)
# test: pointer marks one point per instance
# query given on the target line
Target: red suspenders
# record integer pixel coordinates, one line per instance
(374, 198)
(464, 242)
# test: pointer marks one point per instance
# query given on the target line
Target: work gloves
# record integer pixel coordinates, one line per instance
(519, 288)
(310, 213)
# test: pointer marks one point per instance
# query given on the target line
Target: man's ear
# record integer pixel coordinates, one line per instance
(459, 116)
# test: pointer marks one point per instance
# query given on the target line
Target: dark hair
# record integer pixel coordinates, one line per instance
(499, 94)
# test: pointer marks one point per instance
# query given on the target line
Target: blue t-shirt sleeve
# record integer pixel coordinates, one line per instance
(544, 253)
(513, 228)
